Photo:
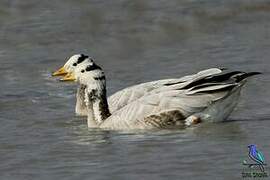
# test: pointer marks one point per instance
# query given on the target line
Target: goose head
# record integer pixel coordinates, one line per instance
(89, 74)
(71, 64)
(92, 77)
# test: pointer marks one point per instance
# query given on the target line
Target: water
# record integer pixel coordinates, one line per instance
(134, 41)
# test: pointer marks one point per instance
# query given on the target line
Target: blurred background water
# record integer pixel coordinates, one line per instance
(134, 41)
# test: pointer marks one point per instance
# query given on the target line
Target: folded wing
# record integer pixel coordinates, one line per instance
(130, 94)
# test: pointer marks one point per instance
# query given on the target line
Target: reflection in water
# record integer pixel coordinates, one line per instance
(207, 131)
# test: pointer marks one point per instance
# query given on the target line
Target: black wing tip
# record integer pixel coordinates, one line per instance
(246, 75)
(254, 73)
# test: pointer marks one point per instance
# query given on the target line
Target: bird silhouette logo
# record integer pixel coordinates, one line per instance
(256, 156)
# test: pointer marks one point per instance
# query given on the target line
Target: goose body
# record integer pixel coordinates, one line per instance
(210, 95)
(172, 109)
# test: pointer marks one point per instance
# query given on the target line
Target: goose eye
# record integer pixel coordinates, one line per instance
(82, 71)
(75, 64)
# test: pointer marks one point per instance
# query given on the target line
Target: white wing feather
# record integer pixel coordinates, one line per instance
(130, 94)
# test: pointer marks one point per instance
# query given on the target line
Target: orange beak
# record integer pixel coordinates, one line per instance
(60, 72)
(68, 77)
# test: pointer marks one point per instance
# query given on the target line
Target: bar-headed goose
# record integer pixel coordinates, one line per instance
(206, 98)
(127, 95)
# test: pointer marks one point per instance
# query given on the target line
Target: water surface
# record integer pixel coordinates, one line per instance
(134, 41)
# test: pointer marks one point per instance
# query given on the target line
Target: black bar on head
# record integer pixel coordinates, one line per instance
(92, 67)
(81, 58)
